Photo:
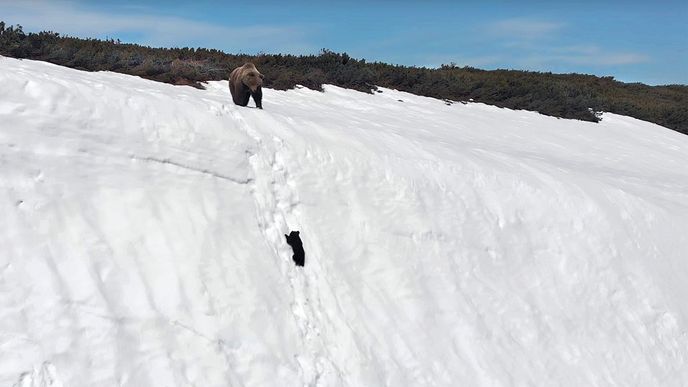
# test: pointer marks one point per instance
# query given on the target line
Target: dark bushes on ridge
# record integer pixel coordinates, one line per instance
(575, 96)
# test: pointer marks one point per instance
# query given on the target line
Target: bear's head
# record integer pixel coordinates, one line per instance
(252, 78)
(292, 237)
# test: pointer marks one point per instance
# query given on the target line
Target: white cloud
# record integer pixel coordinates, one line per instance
(70, 19)
(536, 44)
(590, 55)
(524, 29)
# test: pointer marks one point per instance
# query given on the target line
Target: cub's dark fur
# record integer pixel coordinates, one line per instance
(294, 241)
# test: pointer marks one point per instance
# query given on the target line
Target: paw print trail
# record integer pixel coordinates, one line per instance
(276, 200)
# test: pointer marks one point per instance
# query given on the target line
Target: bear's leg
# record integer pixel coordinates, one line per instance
(240, 96)
(244, 97)
(236, 98)
(258, 98)
(299, 255)
(232, 91)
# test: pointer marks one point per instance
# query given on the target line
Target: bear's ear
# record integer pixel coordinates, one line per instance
(297, 233)
(286, 236)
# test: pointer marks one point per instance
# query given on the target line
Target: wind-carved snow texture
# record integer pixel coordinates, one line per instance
(448, 244)
(45, 375)
(190, 168)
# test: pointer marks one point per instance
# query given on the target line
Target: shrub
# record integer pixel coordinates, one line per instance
(562, 95)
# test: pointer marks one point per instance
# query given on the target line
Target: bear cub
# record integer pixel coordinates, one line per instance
(294, 241)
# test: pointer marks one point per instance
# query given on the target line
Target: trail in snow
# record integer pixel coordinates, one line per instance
(277, 210)
(143, 232)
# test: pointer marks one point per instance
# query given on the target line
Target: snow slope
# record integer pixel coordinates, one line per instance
(142, 240)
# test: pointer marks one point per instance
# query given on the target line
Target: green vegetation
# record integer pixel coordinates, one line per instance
(562, 95)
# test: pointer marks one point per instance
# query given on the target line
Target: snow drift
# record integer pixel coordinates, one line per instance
(143, 224)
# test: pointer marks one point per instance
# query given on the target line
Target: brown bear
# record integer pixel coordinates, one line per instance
(244, 82)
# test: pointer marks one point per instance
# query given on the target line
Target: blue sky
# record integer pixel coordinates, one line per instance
(634, 41)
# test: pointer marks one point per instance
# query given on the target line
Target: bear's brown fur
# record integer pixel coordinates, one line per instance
(245, 82)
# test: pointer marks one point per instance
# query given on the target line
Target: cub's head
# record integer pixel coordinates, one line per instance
(252, 78)
(292, 237)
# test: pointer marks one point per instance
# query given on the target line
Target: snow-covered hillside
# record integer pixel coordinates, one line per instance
(142, 240)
